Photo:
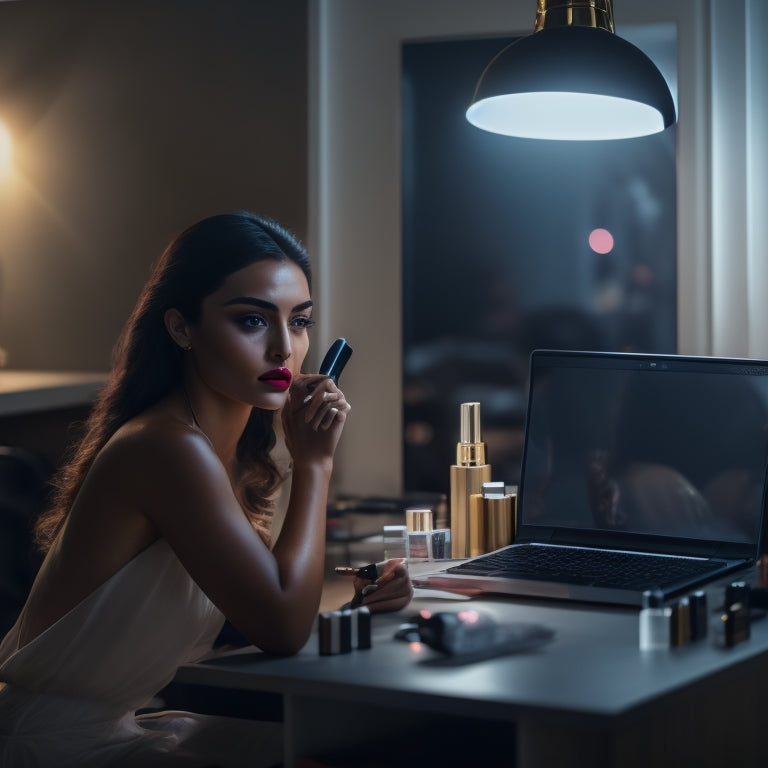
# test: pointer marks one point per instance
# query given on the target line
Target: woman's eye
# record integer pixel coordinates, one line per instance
(252, 321)
(302, 322)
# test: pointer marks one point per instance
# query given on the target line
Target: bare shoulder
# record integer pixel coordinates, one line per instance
(141, 486)
(161, 466)
(156, 441)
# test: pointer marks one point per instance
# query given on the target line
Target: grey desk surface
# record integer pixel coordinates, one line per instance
(28, 391)
(593, 668)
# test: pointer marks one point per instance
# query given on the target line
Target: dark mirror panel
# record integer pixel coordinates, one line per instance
(516, 244)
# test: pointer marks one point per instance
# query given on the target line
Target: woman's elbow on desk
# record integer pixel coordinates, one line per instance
(282, 648)
(282, 631)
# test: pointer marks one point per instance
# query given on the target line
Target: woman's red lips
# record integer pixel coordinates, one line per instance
(279, 378)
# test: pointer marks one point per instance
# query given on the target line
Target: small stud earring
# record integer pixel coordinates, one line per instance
(187, 347)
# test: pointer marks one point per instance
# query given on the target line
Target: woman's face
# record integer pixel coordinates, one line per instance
(252, 335)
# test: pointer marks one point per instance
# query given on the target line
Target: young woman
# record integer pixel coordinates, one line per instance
(160, 527)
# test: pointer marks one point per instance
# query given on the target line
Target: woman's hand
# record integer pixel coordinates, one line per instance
(393, 588)
(314, 417)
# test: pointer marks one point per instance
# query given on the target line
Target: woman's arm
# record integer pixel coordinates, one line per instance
(270, 597)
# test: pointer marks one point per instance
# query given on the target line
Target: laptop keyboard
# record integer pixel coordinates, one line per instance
(598, 567)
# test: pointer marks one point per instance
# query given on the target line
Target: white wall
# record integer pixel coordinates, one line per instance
(739, 166)
(355, 187)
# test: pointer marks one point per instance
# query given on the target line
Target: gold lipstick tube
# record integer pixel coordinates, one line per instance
(491, 519)
(467, 476)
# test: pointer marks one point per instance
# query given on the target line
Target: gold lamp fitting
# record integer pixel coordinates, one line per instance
(574, 13)
(574, 66)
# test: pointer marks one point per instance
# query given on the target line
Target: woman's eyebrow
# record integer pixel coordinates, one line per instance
(264, 304)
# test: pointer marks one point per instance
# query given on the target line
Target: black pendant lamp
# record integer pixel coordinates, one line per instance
(572, 79)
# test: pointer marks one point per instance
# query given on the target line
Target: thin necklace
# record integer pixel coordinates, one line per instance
(194, 415)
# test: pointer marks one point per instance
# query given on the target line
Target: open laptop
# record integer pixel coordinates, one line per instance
(656, 460)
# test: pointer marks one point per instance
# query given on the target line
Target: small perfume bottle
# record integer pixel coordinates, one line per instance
(655, 622)
(699, 615)
(441, 543)
(395, 539)
(681, 622)
(467, 476)
(419, 524)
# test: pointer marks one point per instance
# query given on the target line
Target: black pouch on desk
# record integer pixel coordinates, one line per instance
(470, 635)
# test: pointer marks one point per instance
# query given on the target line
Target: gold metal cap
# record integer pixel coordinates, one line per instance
(418, 519)
(574, 13)
(470, 423)
(470, 451)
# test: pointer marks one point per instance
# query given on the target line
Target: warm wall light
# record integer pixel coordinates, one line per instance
(6, 152)
(573, 78)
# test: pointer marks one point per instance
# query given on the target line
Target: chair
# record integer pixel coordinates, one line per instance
(24, 478)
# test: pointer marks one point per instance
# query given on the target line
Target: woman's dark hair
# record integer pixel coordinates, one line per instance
(147, 364)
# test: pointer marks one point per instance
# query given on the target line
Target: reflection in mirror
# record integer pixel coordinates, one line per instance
(516, 244)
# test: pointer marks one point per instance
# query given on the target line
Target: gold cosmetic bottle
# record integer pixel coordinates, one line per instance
(467, 477)
(491, 518)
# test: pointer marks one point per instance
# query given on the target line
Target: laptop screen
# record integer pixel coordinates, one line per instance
(628, 444)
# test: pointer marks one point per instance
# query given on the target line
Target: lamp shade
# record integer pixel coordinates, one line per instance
(573, 83)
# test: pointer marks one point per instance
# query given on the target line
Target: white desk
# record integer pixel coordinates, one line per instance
(590, 698)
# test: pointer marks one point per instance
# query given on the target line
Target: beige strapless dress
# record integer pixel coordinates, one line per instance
(70, 695)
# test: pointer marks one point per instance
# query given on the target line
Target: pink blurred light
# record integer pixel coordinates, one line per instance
(601, 241)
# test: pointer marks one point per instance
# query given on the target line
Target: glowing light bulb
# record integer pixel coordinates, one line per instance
(565, 116)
